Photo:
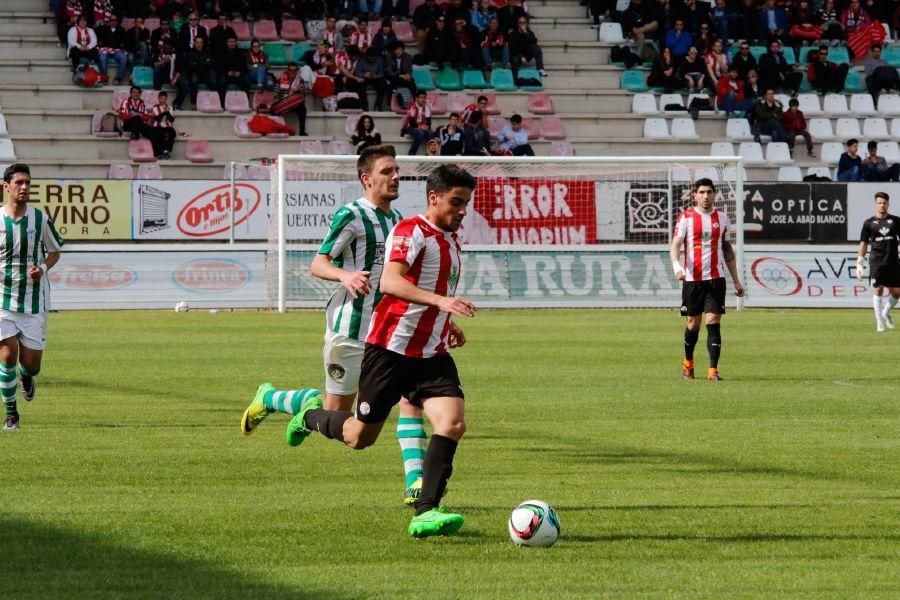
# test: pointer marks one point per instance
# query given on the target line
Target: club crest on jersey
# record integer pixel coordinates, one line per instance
(715, 225)
(453, 276)
(884, 230)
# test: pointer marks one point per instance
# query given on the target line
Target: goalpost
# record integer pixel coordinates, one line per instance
(540, 231)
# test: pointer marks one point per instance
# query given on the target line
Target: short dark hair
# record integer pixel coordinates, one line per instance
(516, 118)
(454, 114)
(879, 47)
(793, 102)
(704, 182)
(883, 195)
(823, 47)
(15, 168)
(852, 141)
(293, 64)
(135, 87)
(482, 97)
(163, 94)
(367, 157)
(872, 145)
(421, 92)
(446, 177)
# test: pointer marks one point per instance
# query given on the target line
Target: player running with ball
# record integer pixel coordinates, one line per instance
(407, 347)
(883, 232)
(29, 246)
(353, 254)
(701, 231)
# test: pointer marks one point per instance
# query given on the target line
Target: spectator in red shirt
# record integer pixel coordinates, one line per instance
(417, 123)
(133, 113)
(160, 127)
(730, 93)
(82, 43)
(494, 47)
(479, 105)
(794, 124)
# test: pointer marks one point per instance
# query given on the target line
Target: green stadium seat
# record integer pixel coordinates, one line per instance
(276, 53)
(473, 79)
(142, 77)
(892, 55)
(243, 45)
(855, 83)
(531, 74)
(839, 55)
(448, 80)
(502, 80)
(789, 55)
(298, 50)
(803, 59)
(423, 80)
(804, 84)
(757, 51)
(634, 81)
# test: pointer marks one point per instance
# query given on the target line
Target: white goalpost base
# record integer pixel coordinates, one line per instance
(540, 231)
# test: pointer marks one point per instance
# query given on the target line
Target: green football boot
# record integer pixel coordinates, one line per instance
(435, 522)
(257, 410)
(296, 429)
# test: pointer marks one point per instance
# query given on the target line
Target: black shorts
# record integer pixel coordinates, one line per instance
(886, 275)
(387, 376)
(699, 297)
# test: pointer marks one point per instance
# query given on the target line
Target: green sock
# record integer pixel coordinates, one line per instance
(411, 435)
(8, 384)
(288, 401)
(26, 373)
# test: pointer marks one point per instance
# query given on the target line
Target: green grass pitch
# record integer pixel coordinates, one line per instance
(130, 478)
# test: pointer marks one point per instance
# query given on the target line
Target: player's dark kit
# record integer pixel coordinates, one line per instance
(883, 236)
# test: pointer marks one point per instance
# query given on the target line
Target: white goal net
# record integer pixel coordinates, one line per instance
(540, 231)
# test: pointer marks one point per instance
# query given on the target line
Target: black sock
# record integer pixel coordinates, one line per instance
(713, 344)
(436, 471)
(690, 340)
(329, 423)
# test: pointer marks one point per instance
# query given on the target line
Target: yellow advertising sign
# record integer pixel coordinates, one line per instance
(85, 209)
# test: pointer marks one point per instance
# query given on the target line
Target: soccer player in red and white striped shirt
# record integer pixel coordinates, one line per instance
(407, 349)
(701, 231)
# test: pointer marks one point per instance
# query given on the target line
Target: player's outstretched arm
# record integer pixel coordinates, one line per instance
(861, 260)
(355, 282)
(394, 283)
(675, 255)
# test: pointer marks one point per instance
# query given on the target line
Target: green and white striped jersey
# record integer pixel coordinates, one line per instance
(24, 243)
(355, 242)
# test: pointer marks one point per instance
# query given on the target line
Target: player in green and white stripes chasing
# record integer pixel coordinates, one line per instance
(29, 247)
(353, 254)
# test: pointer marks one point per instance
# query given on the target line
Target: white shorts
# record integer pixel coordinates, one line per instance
(30, 329)
(343, 358)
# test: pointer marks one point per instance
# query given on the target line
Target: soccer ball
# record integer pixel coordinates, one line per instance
(182, 307)
(534, 523)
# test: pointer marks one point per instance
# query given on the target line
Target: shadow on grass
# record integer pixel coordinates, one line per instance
(44, 561)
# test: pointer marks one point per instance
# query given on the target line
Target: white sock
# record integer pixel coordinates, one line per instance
(890, 302)
(876, 304)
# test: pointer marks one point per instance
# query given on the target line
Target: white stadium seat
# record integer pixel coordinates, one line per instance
(778, 153)
(656, 129)
(889, 150)
(831, 152)
(784, 99)
(667, 99)
(644, 104)
(875, 128)
(721, 149)
(821, 171)
(7, 151)
(846, 129)
(835, 105)
(861, 105)
(752, 153)
(712, 102)
(820, 130)
(611, 33)
(738, 130)
(889, 105)
(809, 104)
(790, 174)
(683, 129)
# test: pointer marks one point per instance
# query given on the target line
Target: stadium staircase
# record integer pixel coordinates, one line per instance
(49, 118)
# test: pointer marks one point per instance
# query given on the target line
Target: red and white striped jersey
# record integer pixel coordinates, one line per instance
(361, 40)
(434, 257)
(132, 108)
(157, 111)
(342, 60)
(416, 115)
(703, 234)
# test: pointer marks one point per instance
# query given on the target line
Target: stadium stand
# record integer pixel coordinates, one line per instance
(593, 99)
